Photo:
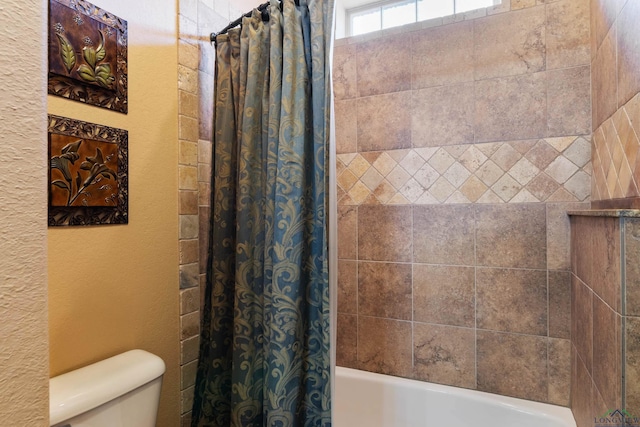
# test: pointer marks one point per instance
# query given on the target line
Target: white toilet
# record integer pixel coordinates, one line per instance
(122, 391)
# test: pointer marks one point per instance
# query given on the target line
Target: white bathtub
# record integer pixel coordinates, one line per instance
(365, 399)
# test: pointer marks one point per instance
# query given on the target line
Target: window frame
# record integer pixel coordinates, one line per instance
(380, 5)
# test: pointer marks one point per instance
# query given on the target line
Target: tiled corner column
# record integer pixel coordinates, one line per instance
(605, 310)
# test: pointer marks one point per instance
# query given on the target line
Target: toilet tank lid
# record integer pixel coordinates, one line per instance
(86, 388)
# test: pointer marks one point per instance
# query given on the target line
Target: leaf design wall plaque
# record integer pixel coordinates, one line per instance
(87, 54)
(88, 167)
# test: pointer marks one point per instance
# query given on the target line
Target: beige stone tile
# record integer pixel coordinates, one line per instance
(359, 193)
(604, 13)
(384, 233)
(398, 199)
(521, 4)
(559, 371)
(445, 355)
(412, 190)
(579, 185)
(581, 391)
(604, 80)
(347, 179)
(204, 194)
(512, 365)
(506, 188)
(344, 72)
(348, 232)
(561, 169)
(186, 400)
(582, 321)
(541, 154)
(187, 129)
(632, 362)
(188, 251)
(347, 341)
(188, 104)
(510, 44)
(605, 249)
(384, 122)
(512, 300)
(346, 126)
(188, 375)
(542, 186)
(560, 304)
(426, 176)
(205, 106)
(628, 52)
(412, 162)
(359, 166)
(188, 226)
(607, 345)
(560, 143)
(384, 164)
(372, 178)
(511, 236)
(511, 108)
(398, 177)
(347, 286)
(524, 171)
(559, 235)
(489, 197)
(568, 43)
(385, 191)
(444, 235)
(441, 160)
(442, 189)
(579, 152)
(569, 101)
(189, 276)
(384, 346)
(189, 349)
(384, 290)
(382, 65)
(632, 267)
(443, 115)
(444, 295)
(189, 325)
(473, 189)
(442, 55)
(472, 159)
(187, 79)
(187, 153)
(188, 203)
(489, 173)
(187, 177)
(456, 174)
(189, 300)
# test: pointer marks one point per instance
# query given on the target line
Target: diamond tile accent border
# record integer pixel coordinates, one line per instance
(616, 164)
(551, 169)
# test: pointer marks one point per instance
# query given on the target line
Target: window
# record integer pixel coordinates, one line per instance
(394, 13)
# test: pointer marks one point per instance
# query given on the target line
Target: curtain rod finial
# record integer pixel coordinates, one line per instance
(212, 37)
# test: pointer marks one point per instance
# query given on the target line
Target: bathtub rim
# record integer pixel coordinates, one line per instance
(562, 414)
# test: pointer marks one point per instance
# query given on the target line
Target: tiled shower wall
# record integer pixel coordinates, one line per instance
(606, 328)
(615, 42)
(462, 142)
(197, 19)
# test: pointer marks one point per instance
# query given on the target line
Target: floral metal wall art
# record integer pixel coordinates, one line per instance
(87, 173)
(87, 54)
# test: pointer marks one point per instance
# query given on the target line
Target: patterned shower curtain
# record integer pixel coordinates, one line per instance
(264, 351)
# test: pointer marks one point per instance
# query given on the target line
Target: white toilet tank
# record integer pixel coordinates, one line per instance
(122, 391)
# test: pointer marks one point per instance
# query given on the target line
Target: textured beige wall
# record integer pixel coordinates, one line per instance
(23, 289)
(114, 288)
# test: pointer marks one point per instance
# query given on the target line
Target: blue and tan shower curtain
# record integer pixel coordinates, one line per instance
(264, 351)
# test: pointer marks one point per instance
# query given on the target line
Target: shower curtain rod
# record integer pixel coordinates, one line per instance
(262, 8)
